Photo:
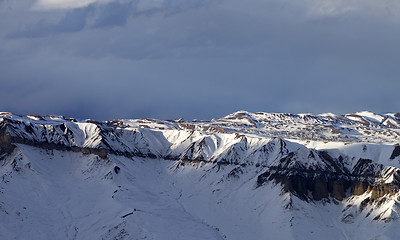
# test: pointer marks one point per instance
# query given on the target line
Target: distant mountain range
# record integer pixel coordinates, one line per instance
(245, 176)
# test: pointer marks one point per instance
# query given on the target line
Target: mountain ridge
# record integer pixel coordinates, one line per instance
(350, 160)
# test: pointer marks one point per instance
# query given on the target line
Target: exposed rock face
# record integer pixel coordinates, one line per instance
(5, 140)
(360, 187)
(312, 186)
(317, 185)
(380, 190)
(395, 153)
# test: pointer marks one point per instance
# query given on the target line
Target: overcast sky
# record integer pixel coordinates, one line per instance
(198, 59)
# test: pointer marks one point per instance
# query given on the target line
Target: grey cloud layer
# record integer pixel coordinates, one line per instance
(95, 15)
(198, 59)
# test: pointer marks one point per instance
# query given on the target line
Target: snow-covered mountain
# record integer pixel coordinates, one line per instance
(244, 176)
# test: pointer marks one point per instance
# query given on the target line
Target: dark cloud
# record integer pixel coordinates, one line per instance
(117, 13)
(114, 14)
(199, 59)
(73, 21)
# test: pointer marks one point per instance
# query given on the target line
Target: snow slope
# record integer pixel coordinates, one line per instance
(228, 179)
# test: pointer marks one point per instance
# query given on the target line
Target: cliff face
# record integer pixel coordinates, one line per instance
(6, 147)
(318, 185)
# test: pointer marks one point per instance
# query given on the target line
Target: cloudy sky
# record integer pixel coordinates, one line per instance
(202, 59)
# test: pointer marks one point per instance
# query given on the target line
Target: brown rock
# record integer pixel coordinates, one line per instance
(5, 140)
(359, 188)
(320, 190)
(338, 190)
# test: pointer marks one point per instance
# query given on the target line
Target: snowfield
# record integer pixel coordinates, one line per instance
(197, 180)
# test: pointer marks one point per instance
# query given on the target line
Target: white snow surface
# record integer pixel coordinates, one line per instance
(67, 195)
(176, 180)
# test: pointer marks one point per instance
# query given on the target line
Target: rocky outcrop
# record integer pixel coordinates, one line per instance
(360, 187)
(395, 153)
(310, 185)
(6, 147)
(318, 184)
(380, 190)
